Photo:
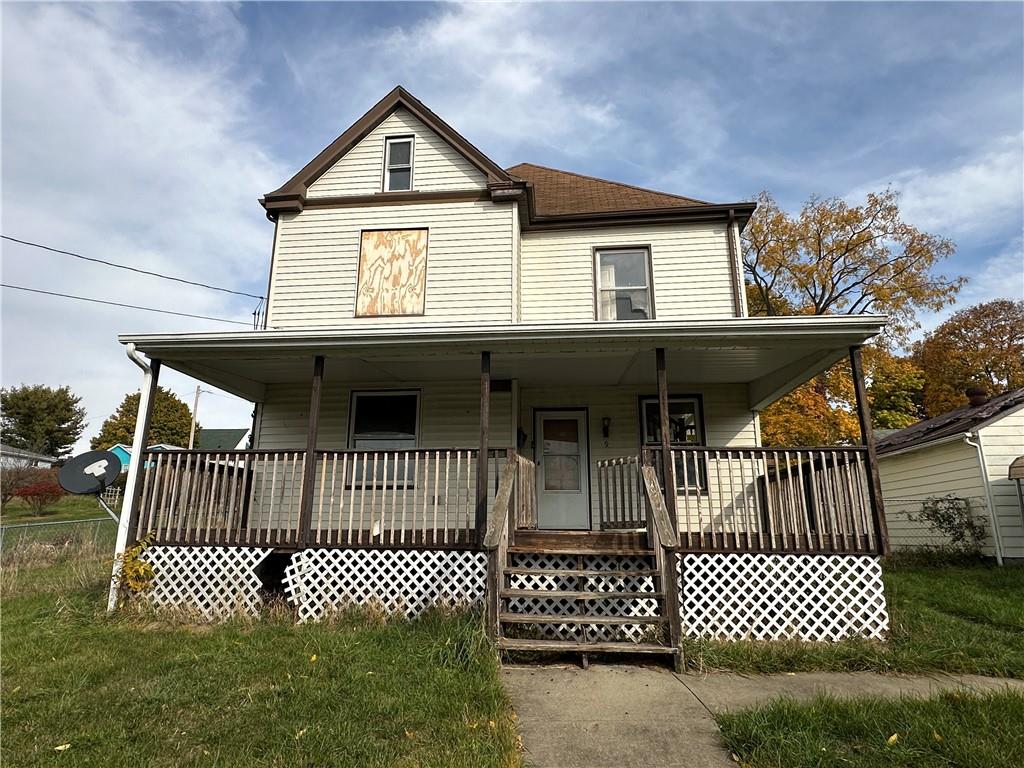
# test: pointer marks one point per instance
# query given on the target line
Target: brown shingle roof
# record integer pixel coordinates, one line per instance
(563, 193)
(962, 419)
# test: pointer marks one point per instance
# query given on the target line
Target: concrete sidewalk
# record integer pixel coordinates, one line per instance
(625, 716)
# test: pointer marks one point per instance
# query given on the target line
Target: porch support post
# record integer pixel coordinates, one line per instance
(666, 437)
(867, 436)
(309, 458)
(129, 519)
(481, 459)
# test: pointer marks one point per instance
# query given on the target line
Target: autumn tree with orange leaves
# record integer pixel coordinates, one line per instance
(838, 258)
(982, 345)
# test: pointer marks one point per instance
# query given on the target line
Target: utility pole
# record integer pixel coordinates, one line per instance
(195, 409)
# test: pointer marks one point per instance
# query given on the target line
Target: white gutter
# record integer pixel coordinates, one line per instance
(996, 534)
(854, 329)
(956, 437)
(132, 479)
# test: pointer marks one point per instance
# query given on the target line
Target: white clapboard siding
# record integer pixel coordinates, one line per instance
(469, 263)
(437, 166)
(1003, 441)
(449, 415)
(727, 418)
(692, 274)
(449, 418)
(910, 478)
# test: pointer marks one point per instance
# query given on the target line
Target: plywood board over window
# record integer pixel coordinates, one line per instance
(392, 272)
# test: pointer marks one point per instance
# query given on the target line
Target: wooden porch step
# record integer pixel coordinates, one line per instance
(572, 594)
(569, 549)
(516, 644)
(527, 618)
(577, 572)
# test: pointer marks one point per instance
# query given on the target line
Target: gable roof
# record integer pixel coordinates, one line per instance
(564, 193)
(547, 197)
(292, 194)
(224, 439)
(955, 422)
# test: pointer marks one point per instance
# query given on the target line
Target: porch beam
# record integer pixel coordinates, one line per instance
(867, 436)
(129, 519)
(309, 459)
(666, 436)
(481, 459)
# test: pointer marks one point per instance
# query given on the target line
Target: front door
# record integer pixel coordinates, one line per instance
(563, 476)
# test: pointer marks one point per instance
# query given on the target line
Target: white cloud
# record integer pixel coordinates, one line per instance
(978, 193)
(119, 145)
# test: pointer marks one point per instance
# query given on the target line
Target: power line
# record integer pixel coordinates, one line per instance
(131, 269)
(119, 304)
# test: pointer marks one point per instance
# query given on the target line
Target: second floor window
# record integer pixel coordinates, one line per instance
(624, 284)
(398, 164)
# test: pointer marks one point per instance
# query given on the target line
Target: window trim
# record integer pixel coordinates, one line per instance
(596, 252)
(386, 178)
(698, 398)
(356, 393)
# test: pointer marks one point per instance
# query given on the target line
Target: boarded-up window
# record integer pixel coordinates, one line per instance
(392, 272)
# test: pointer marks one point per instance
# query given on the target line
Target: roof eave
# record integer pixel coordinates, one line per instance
(739, 212)
(284, 197)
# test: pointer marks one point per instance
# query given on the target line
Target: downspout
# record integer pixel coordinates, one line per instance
(738, 294)
(132, 479)
(996, 534)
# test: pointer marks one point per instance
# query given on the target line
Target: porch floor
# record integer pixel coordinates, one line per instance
(582, 542)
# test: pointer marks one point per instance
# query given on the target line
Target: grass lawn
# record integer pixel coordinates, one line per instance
(68, 508)
(146, 692)
(954, 619)
(952, 729)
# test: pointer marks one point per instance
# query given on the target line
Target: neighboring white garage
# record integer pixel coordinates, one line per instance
(965, 453)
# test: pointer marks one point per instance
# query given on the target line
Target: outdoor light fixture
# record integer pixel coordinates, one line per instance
(606, 426)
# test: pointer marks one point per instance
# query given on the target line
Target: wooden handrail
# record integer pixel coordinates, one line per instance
(667, 534)
(497, 520)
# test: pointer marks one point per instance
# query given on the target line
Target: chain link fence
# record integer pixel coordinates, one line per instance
(60, 540)
(908, 530)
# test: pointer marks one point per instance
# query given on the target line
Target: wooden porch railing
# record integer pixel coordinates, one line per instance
(415, 497)
(526, 493)
(752, 499)
(773, 500)
(620, 493)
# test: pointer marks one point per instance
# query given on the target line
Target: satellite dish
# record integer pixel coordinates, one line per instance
(89, 472)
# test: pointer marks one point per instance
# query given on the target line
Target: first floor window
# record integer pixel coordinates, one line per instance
(623, 284)
(383, 422)
(685, 422)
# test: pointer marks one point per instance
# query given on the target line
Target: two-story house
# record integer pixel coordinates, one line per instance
(524, 386)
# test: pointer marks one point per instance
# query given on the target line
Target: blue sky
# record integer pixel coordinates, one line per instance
(144, 133)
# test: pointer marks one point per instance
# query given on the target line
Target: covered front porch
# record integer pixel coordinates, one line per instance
(401, 440)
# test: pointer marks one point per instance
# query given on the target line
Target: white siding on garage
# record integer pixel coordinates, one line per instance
(469, 263)
(910, 478)
(692, 270)
(437, 166)
(1003, 441)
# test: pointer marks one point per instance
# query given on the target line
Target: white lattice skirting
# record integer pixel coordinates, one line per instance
(777, 597)
(319, 581)
(217, 582)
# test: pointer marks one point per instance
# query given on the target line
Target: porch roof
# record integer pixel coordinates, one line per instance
(770, 354)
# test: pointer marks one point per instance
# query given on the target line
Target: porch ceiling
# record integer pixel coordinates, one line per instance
(771, 355)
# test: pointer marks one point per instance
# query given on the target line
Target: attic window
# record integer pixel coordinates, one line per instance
(398, 164)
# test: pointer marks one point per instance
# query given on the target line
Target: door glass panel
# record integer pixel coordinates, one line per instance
(561, 454)
(561, 473)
